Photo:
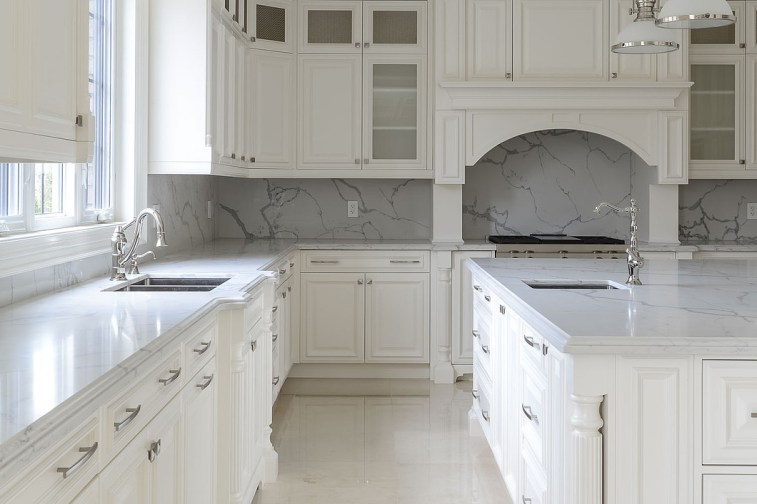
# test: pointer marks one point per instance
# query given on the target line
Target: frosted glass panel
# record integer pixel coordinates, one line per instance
(713, 112)
(395, 27)
(395, 111)
(329, 27)
(721, 35)
(270, 23)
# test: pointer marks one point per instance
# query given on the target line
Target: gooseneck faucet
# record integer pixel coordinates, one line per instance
(120, 255)
(635, 261)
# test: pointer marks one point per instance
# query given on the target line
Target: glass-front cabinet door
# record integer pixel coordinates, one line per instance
(269, 24)
(394, 27)
(330, 27)
(394, 112)
(716, 112)
(750, 21)
(729, 39)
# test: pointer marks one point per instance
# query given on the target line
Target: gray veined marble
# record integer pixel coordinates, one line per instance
(549, 182)
(716, 210)
(317, 208)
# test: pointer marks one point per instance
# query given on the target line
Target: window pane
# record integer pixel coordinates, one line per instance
(48, 188)
(11, 189)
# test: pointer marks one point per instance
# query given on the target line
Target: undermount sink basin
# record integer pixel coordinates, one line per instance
(575, 284)
(172, 284)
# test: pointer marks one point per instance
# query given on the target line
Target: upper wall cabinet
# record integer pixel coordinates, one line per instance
(489, 45)
(724, 96)
(270, 25)
(44, 94)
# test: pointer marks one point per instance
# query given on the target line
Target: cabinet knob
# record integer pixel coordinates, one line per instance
(370, 282)
(252, 159)
(366, 161)
(367, 45)
(357, 44)
(233, 156)
(742, 45)
(614, 75)
(742, 161)
(529, 414)
(357, 161)
(252, 39)
(243, 158)
(360, 282)
(508, 76)
(79, 121)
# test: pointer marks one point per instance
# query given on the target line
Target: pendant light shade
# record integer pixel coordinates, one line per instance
(695, 14)
(643, 36)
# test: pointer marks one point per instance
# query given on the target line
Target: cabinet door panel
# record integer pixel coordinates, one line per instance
(394, 27)
(330, 27)
(396, 317)
(489, 34)
(729, 489)
(729, 39)
(333, 317)
(750, 111)
(269, 24)
(200, 437)
(271, 109)
(12, 59)
(576, 49)
(330, 114)
(229, 95)
(631, 67)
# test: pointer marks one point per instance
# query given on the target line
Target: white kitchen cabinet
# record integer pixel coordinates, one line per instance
(90, 495)
(729, 39)
(728, 489)
(489, 40)
(200, 410)
(332, 317)
(148, 470)
(396, 313)
(330, 27)
(283, 336)
(271, 109)
(462, 314)
(577, 46)
(270, 24)
(44, 96)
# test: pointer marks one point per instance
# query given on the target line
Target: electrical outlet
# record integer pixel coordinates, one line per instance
(751, 210)
(352, 209)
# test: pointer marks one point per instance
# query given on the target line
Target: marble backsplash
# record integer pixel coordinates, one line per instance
(550, 182)
(317, 208)
(716, 210)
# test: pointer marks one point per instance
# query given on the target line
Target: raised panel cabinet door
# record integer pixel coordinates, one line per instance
(271, 109)
(230, 84)
(729, 489)
(396, 317)
(729, 39)
(53, 59)
(330, 27)
(628, 67)
(394, 27)
(330, 105)
(13, 60)
(751, 26)
(168, 465)
(128, 477)
(200, 437)
(489, 40)
(577, 46)
(240, 110)
(332, 317)
(269, 24)
(394, 112)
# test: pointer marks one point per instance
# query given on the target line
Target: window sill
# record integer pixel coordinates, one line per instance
(20, 253)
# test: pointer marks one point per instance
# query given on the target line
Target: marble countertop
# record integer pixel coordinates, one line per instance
(692, 307)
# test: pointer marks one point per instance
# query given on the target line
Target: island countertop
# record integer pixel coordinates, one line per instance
(696, 307)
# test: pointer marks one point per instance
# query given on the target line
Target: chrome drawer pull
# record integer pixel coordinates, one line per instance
(487, 297)
(527, 500)
(126, 421)
(174, 374)
(754, 415)
(478, 288)
(88, 452)
(529, 414)
(474, 393)
(274, 309)
(485, 414)
(485, 348)
(397, 261)
(315, 261)
(531, 342)
(502, 309)
(254, 345)
(206, 383)
(204, 345)
(274, 337)
(475, 333)
(275, 380)
(282, 271)
(154, 451)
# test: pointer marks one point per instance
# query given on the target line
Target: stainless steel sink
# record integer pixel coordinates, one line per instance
(171, 284)
(575, 284)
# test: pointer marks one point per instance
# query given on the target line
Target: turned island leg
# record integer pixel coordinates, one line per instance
(587, 449)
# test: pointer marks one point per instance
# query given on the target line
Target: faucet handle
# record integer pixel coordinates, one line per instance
(142, 256)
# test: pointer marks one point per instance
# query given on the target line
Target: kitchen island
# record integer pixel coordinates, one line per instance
(623, 395)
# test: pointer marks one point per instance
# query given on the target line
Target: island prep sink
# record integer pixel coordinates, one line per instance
(171, 284)
(575, 284)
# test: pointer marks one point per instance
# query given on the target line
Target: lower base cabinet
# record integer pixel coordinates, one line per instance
(200, 411)
(729, 489)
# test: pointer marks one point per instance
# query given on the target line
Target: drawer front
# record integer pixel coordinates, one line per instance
(729, 412)
(285, 267)
(532, 348)
(128, 414)
(482, 404)
(253, 312)
(200, 347)
(729, 488)
(533, 485)
(367, 261)
(533, 416)
(64, 472)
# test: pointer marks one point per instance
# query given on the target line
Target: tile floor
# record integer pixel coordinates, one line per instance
(379, 441)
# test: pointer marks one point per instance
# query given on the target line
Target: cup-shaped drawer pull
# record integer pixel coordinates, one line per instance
(254, 345)
(174, 375)
(530, 342)
(275, 308)
(527, 500)
(485, 414)
(274, 337)
(88, 451)
(205, 384)
(475, 333)
(275, 380)
(475, 394)
(529, 414)
(282, 271)
(133, 412)
(485, 348)
(404, 261)
(487, 297)
(153, 451)
(478, 288)
(204, 345)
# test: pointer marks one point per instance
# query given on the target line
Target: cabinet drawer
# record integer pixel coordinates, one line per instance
(729, 488)
(128, 414)
(284, 268)
(533, 415)
(729, 411)
(533, 485)
(200, 347)
(64, 472)
(482, 403)
(533, 348)
(253, 312)
(368, 261)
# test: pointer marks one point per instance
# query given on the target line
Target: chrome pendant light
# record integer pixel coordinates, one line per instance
(643, 36)
(695, 14)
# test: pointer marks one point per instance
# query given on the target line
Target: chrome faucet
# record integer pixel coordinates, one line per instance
(119, 255)
(635, 261)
